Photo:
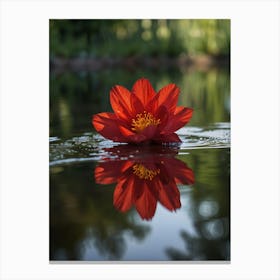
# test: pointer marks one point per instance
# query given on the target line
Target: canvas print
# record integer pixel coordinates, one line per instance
(139, 140)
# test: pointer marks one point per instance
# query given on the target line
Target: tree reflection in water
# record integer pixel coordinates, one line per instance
(147, 175)
(83, 223)
(211, 243)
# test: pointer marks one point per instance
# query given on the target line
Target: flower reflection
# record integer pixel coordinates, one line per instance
(144, 177)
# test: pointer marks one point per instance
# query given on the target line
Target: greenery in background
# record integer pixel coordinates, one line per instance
(123, 38)
(76, 97)
(80, 216)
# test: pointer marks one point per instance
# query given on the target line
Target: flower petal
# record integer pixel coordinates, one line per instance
(125, 104)
(108, 126)
(168, 138)
(132, 137)
(120, 101)
(162, 113)
(179, 119)
(143, 90)
(167, 96)
(149, 132)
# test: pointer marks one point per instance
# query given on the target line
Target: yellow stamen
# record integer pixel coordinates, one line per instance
(143, 173)
(143, 120)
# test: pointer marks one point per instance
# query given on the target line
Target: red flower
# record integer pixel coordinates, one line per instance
(143, 182)
(143, 115)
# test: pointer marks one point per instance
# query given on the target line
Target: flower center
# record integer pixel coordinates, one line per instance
(143, 173)
(143, 120)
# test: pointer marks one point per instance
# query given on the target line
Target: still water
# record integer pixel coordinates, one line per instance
(111, 201)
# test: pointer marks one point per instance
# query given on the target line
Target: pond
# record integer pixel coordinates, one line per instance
(182, 211)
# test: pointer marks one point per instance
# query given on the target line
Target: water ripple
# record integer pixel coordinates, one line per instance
(91, 147)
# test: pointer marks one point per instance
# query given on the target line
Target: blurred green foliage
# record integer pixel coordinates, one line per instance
(75, 97)
(123, 38)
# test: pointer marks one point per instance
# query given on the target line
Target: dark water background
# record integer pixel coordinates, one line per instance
(85, 225)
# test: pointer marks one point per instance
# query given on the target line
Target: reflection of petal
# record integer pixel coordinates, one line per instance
(143, 181)
(182, 173)
(146, 203)
(107, 172)
(124, 194)
(169, 196)
(144, 151)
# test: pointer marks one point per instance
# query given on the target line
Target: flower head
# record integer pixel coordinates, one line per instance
(142, 115)
(145, 179)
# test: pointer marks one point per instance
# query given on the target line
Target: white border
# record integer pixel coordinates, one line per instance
(255, 138)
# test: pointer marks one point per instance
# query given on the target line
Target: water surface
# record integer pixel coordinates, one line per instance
(183, 192)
